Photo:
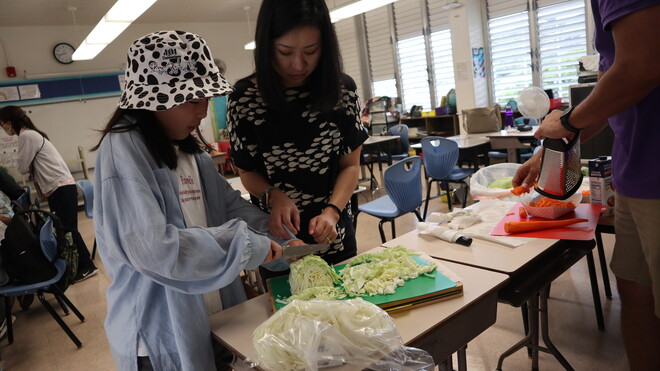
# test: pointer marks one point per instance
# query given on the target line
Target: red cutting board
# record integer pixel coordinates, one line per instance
(579, 231)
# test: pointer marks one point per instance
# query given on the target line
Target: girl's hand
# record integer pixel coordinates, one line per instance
(283, 212)
(274, 253)
(323, 227)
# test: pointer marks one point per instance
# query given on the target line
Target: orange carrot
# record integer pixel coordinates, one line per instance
(520, 190)
(518, 227)
(549, 202)
(522, 212)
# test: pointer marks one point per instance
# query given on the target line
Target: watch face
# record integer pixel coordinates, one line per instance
(63, 53)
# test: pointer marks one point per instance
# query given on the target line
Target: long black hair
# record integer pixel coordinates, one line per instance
(277, 17)
(158, 143)
(19, 119)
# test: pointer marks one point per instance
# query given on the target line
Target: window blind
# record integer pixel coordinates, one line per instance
(510, 55)
(348, 46)
(441, 50)
(411, 51)
(499, 8)
(563, 39)
(380, 52)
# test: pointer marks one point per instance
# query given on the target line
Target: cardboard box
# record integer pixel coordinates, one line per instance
(600, 183)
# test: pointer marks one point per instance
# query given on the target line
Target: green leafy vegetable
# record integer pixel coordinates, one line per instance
(381, 273)
(503, 182)
(319, 293)
(311, 271)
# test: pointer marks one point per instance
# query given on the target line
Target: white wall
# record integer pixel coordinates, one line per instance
(73, 124)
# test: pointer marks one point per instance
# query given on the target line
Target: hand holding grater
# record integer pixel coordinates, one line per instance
(560, 175)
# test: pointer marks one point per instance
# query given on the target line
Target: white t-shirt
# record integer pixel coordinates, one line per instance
(194, 213)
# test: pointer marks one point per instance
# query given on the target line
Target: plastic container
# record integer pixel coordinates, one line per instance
(533, 197)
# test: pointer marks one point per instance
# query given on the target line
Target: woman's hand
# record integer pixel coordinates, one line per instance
(526, 174)
(274, 253)
(323, 227)
(283, 213)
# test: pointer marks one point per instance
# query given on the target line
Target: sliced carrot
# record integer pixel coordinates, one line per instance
(517, 227)
(549, 202)
(586, 192)
(522, 212)
(520, 190)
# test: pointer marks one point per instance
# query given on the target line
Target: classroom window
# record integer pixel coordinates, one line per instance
(562, 40)
(510, 55)
(386, 88)
(414, 76)
(443, 63)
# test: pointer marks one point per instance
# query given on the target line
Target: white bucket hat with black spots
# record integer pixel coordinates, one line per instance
(168, 68)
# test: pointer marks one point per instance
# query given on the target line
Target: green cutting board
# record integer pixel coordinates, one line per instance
(421, 290)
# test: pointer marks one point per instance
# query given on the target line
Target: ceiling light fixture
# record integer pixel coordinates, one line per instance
(113, 23)
(356, 8)
(347, 11)
(452, 4)
(251, 45)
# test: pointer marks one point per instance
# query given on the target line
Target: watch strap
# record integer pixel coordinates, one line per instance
(264, 196)
(564, 121)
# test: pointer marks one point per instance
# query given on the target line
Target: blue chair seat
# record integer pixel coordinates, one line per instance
(15, 290)
(404, 194)
(382, 207)
(459, 173)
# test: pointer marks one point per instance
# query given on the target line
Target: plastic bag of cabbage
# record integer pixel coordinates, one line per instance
(308, 335)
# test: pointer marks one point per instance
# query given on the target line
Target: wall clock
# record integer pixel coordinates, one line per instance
(63, 53)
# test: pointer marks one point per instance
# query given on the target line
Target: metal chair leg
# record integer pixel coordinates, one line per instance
(393, 229)
(428, 197)
(380, 229)
(58, 319)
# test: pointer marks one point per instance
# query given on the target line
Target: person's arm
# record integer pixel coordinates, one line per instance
(283, 211)
(631, 77)
(29, 143)
(323, 227)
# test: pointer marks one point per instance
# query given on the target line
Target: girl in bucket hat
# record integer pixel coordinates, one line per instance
(295, 127)
(169, 228)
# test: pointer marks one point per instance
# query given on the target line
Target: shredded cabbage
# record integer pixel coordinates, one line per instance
(319, 293)
(382, 272)
(304, 334)
(311, 271)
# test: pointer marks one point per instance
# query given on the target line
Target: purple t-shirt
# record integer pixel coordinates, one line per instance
(636, 149)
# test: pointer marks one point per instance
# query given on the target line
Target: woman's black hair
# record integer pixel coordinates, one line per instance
(158, 143)
(277, 17)
(19, 119)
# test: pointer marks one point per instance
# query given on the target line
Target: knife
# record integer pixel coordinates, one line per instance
(302, 250)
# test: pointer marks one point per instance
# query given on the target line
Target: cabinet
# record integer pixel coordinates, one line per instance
(442, 125)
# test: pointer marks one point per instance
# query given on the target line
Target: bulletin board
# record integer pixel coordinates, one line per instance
(61, 89)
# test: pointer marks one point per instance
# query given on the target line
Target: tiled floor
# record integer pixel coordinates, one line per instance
(40, 344)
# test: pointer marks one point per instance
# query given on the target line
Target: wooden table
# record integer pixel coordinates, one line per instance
(441, 328)
(511, 141)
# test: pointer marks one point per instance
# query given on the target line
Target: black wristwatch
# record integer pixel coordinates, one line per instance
(264, 197)
(564, 121)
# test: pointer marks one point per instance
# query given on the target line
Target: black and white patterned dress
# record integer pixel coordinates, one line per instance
(297, 149)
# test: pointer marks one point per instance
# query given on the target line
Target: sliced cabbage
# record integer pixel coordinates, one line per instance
(319, 293)
(311, 271)
(382, 272)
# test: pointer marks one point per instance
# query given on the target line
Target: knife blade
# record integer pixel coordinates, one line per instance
(302, 250)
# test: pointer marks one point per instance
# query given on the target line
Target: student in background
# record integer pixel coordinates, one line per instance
(52, 178)
(295, 127)
(627, 37)
(169, 228)
(9, 186)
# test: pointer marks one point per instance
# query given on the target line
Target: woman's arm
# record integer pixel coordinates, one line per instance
(29, 142)
(323, 227)
(283, 211)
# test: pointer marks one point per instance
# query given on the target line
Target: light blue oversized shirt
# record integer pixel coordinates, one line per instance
(158, 267)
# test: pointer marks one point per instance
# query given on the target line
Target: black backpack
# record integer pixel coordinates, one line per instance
(22, 257)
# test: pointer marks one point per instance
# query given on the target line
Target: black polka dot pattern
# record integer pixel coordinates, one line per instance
(170, 68)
